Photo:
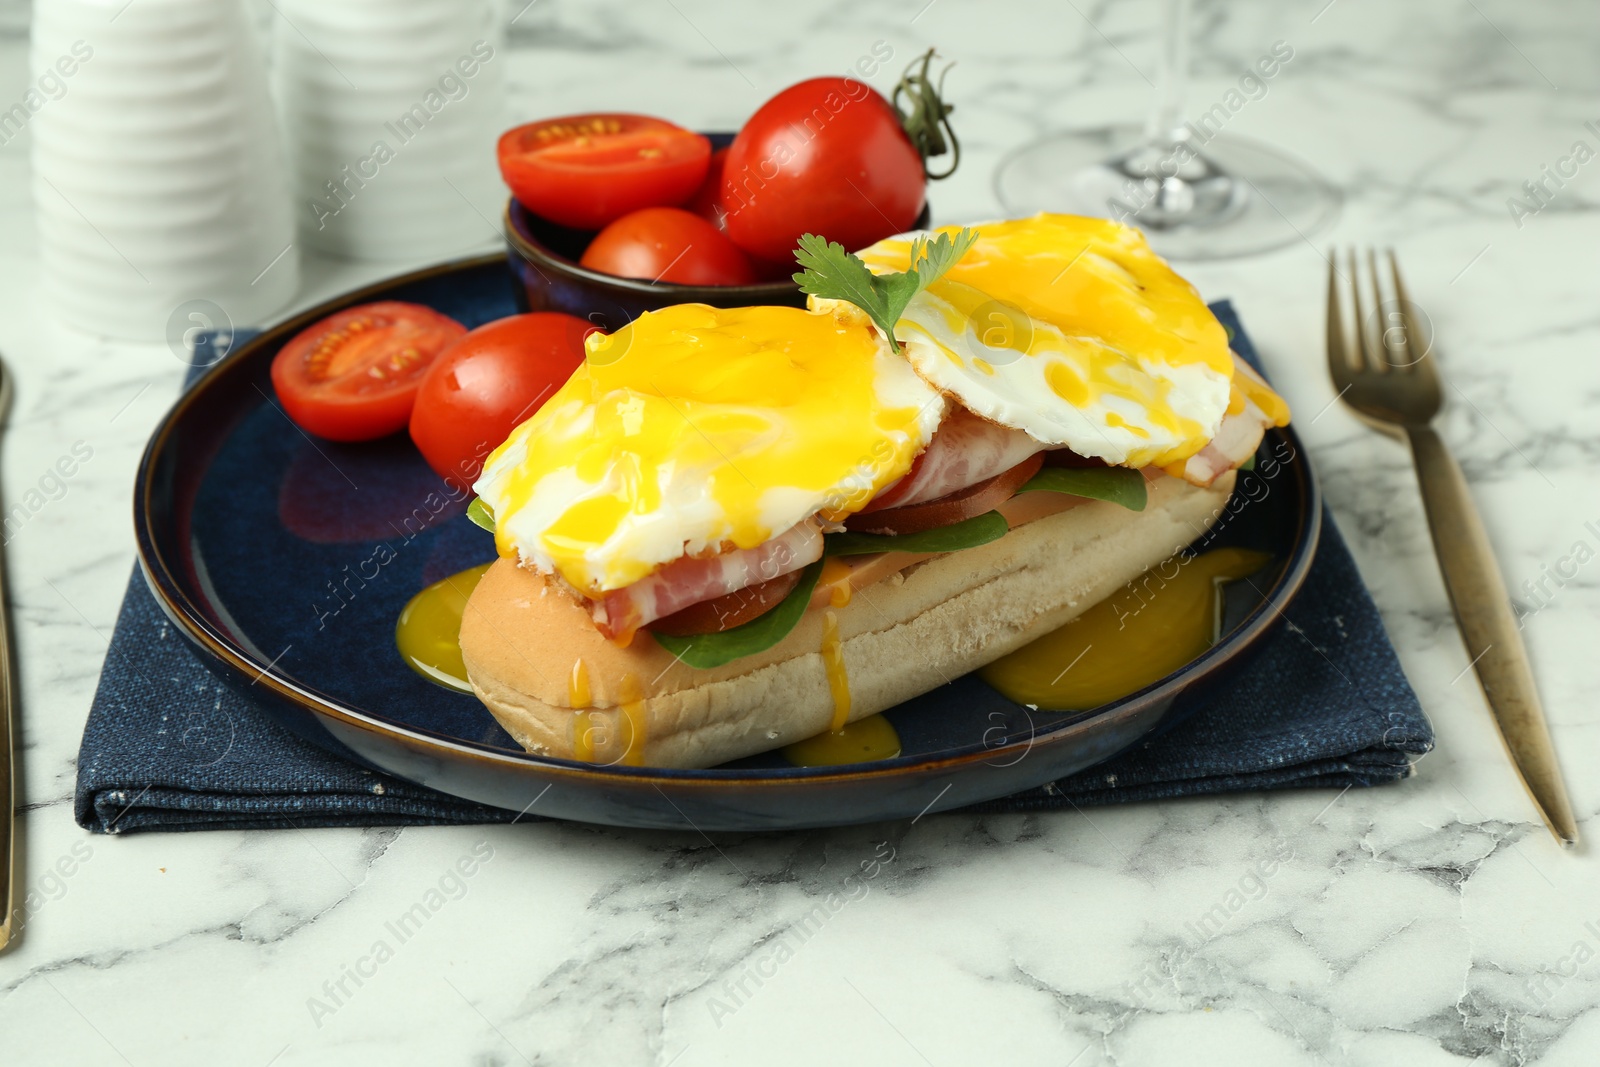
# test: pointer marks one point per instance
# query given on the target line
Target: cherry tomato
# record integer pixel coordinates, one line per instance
(487, 383)
(354, 375)
(827, 156)
(668, 244)
(707, 200)
(586, 170)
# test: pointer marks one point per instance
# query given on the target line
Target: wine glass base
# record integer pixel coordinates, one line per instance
(1223, 198)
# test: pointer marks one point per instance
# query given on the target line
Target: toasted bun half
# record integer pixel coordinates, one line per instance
(522, 640)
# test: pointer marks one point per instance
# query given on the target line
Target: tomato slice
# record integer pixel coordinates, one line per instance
(354, 375)
(584, 171)
(729, 610)
(962, 504)
(668, 244)
(897, 489)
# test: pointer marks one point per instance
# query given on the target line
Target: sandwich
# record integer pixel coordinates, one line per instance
(734, 529)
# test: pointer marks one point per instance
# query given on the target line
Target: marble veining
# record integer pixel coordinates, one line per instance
(1432, 922)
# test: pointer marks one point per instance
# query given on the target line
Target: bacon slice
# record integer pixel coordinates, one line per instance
(967, 503)
(1237, 438)
(966, 450)
(690, 580)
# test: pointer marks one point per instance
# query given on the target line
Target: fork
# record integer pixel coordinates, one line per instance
(9, 862)
(1393, 382)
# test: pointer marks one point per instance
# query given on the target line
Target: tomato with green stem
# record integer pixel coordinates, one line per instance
(831, 156)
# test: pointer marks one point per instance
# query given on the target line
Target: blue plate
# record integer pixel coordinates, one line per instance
(286, 561)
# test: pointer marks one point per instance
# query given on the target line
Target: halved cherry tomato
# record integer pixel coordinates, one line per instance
(354, 375)
(586, 170)
(487, 383)
(962, 504)
(826, 156)
(729, 610)
(668, 244)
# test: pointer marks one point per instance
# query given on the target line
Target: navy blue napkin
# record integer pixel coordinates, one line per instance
(169, 747)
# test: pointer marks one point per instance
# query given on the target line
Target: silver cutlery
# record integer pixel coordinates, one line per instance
(8, 777)
(1389, 377)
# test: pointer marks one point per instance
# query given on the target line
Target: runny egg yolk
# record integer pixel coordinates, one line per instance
(694, 429)
(1073, 330)
(428, 632)
(1134, 638)
(1247, 387)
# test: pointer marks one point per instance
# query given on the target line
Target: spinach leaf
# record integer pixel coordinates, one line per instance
(969, 533)
(704, 651)
(480, 514)
(1119, 485)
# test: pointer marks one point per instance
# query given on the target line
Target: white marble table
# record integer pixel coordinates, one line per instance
(1431, 922)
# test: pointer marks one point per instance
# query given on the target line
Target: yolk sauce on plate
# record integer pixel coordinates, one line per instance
(1135, 638)
(867, 739)
(871, 738)
(428, 632)
(1161, 622)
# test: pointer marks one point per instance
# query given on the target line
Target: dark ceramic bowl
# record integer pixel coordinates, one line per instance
(544, 266)
(245, 526)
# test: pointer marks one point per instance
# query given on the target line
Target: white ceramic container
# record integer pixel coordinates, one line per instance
(392, 112)
(159, 180)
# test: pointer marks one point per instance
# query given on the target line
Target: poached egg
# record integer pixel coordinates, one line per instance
(697, 430)
(1072, 330)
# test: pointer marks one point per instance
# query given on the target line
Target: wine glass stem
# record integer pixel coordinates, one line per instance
(1164, 125)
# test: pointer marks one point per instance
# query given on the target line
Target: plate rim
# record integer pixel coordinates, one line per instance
(161, 578)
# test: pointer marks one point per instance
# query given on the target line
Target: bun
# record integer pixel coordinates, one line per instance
(915, 630)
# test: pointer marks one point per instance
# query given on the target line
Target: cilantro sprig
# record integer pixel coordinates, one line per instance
(832, 273)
